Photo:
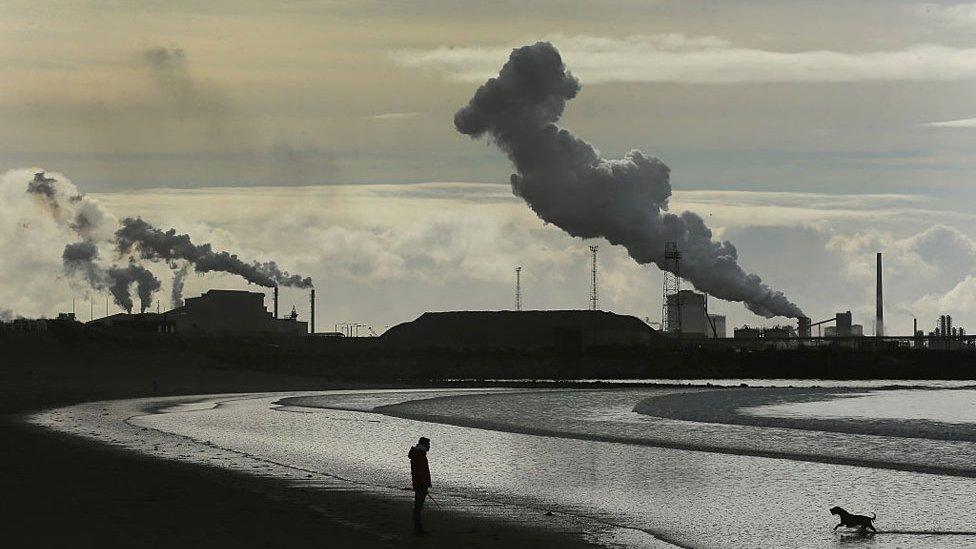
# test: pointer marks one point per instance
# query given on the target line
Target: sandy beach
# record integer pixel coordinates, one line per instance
(66, 490)
(604, 471)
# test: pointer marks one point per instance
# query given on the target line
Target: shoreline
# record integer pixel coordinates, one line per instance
(68, 490)
(253, 415)
(470, 521)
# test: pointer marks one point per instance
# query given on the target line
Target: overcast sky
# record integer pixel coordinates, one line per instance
(319, 134)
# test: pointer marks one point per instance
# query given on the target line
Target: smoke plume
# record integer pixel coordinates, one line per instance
(121, 278)
(568, 183)
(139, 240)
(176, 292)
(80, 258)
(70, 208)
(138, 236)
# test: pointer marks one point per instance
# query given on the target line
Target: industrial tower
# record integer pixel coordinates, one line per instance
(879, 312)
(518, 288)
(593, 294)
(672, 286)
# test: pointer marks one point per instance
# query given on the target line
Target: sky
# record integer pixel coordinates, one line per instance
(320, 135)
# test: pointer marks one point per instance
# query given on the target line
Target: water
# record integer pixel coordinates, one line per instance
(554, 450)
(958, 406)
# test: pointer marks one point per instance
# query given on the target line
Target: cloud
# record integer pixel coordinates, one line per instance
(926, 273)
(960, 123)
(394, 115)
(959, 301)
(706, 60)
(952, 14)
(940, 254)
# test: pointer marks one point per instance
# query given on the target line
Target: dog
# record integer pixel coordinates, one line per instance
(848, 520)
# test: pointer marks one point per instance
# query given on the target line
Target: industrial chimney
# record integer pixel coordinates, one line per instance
(276, 301)
(879, 325)
(311, 317)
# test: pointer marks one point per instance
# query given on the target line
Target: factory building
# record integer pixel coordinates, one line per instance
(215, 312)
(854, 330)
(843, 324)
(747, 332)
(687, 314)
(774, 332)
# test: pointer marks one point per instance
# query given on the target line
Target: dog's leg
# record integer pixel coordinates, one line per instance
(838, 526)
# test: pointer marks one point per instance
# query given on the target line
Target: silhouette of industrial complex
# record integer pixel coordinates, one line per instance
(215, 312)
(686, 324)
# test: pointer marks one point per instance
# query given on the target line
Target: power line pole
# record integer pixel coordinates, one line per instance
(518, 288)
(593, 294)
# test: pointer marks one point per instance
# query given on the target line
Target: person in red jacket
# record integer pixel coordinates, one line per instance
(420, 474)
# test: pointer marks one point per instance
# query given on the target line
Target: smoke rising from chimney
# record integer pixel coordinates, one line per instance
(568, 183)
(176, 292)
(140, 241)
(137, 236)
(81, 258)
(122, 277)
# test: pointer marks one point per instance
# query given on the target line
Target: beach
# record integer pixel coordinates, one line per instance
(66, 490)
(566, 461)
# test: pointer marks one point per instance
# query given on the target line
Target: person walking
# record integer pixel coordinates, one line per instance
(420, 475)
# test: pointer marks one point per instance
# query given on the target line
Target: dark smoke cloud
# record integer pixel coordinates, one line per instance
(188, 96)
(121, 278)
(69, 208)
(80, 258)
(138, 236)
(42, 186)
(567, 183)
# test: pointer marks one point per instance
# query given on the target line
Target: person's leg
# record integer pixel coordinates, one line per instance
(418, 506)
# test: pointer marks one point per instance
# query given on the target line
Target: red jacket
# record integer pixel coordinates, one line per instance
(419, 472)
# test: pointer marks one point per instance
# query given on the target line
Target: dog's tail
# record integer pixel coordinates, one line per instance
(873, 516)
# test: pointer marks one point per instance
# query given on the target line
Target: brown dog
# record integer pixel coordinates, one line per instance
(848, 520)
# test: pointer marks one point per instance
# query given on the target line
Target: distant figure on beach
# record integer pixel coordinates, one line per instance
(420, 474)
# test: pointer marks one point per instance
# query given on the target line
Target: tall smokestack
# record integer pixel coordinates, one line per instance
(276, 301)
(879, 329)
(312, 315)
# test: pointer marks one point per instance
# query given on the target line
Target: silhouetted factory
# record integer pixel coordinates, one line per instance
(215, 312)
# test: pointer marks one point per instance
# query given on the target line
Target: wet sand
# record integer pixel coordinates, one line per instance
(61, 489)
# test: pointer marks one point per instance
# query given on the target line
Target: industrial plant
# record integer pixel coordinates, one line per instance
(685, 316)
(214, 312)
(686, 323)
